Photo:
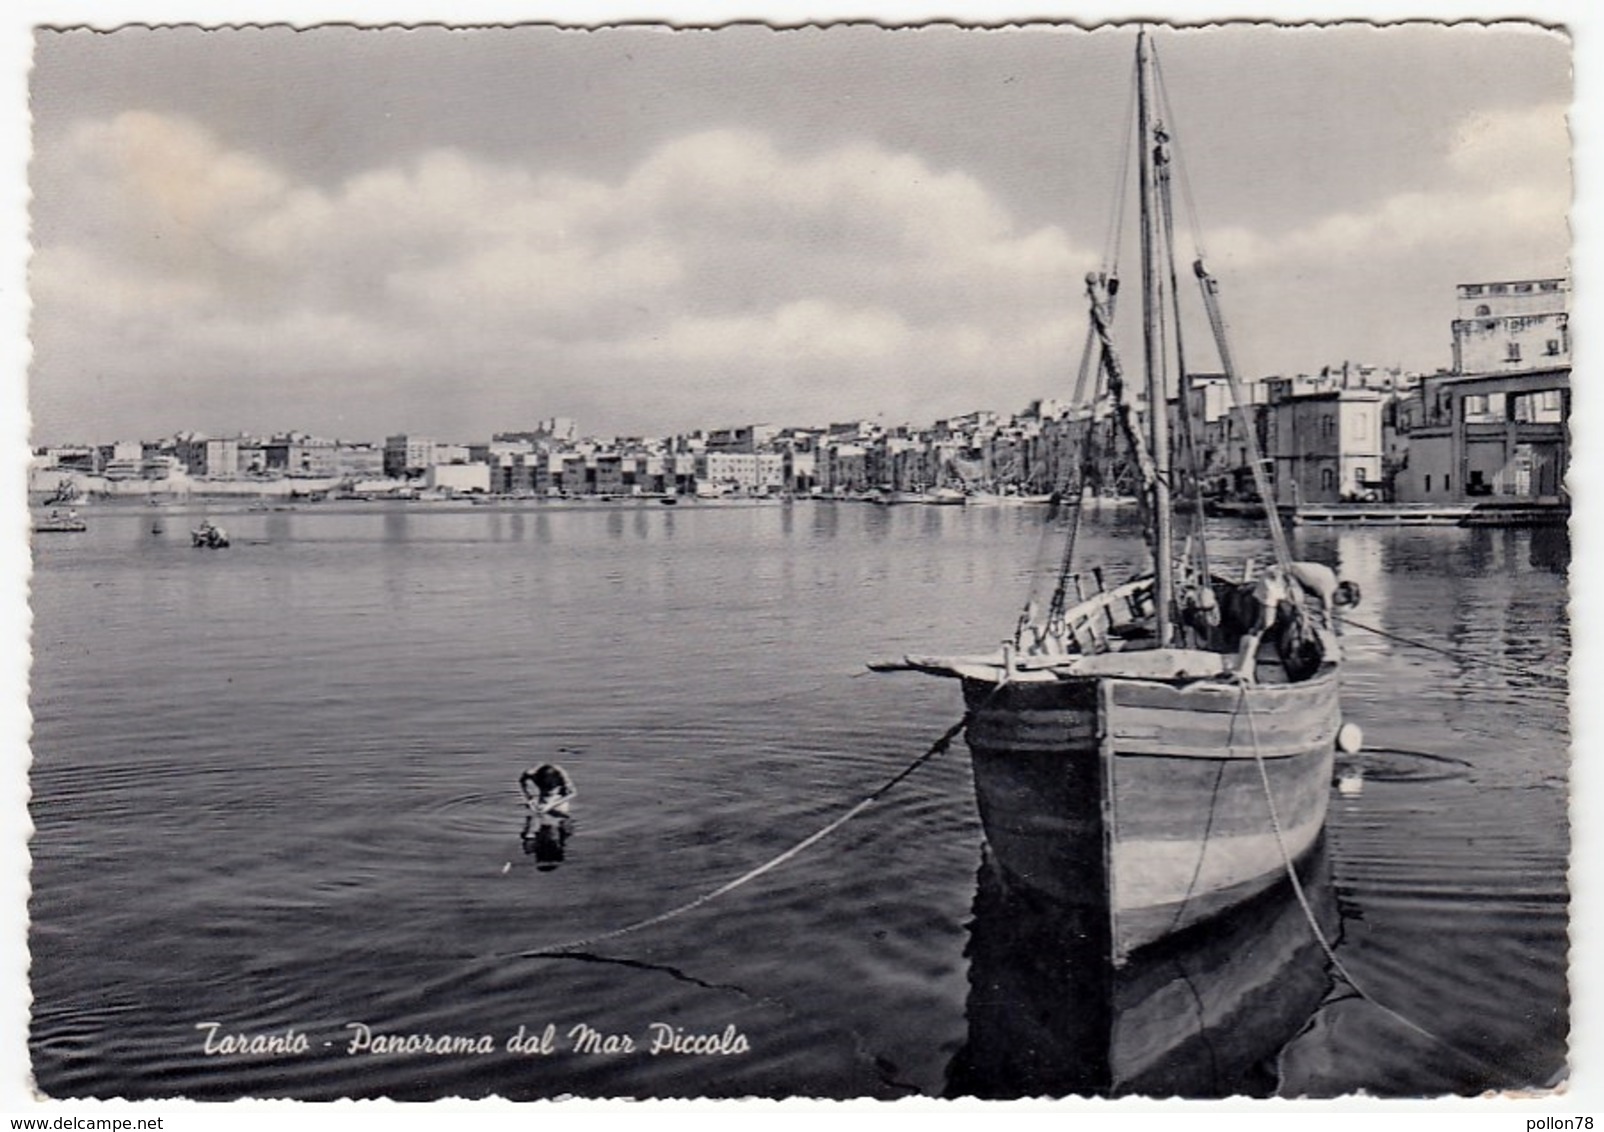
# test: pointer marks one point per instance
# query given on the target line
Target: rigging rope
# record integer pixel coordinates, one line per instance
(1198, 583)
(1314, 923)
(560, 950)
(1502, 666)
(1175, 144)
(1116, 228)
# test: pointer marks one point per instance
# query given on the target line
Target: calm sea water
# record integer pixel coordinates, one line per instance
(274, 790)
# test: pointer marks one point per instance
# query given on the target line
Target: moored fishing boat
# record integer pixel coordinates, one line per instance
(57, 521)
(1136, 755)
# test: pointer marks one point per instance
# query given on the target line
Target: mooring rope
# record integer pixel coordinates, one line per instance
(1314, 923)
(560, 950)
(1503, 666)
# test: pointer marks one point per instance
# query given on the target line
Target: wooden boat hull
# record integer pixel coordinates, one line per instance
(1201, 1014)
(1145, 800)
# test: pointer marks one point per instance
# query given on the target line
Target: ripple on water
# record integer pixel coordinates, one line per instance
(307, 814)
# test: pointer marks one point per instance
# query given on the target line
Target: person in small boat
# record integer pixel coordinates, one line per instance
(547, 789)
(1278, 601)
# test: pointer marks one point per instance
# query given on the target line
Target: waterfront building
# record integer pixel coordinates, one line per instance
(1324, 441)
(204, 457)
(577, 475)
(743, 438)
(608, 473)
(121, 459)
(296, 454)
(72, 457)
(457, 477)
(1511, 326)
(748, 472)
(358, 461)
(1502, 435)
(407, 455)
(799, 469)
(843, 468)
(1497, 426)
(250, 457)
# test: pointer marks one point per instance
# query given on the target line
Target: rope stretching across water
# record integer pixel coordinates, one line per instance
(560, 950)
(1501, 666)
(1314, 923)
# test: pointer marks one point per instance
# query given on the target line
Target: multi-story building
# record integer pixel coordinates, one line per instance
(1324, 445)
(743, 438)
(204, 457)
(608, 470)
(1497, 425)
(1509, 326)
(120, 460)
(407, 455)
(73, 457)
(842, 468)
(296, 454)
(358, 461)
(463, 477)
(751, 472)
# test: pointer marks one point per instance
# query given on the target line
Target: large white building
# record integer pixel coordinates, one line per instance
(757, 472)
(1497, 427)
(1518, 325)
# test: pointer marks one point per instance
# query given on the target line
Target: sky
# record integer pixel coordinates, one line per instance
(357, 232)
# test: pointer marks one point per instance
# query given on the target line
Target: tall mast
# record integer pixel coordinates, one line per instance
(1157, 401)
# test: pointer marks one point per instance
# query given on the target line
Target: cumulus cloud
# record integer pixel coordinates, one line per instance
(1505, 181)
(718, 252)
(720, 276)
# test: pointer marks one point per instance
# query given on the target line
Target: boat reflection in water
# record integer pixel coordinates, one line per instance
(1202, 1013)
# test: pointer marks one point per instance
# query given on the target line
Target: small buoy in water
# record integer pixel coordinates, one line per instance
(507, 868)
(1350, 739)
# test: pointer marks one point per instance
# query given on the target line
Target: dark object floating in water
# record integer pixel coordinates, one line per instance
(208, 536)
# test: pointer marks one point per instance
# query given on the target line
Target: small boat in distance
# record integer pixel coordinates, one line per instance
(61, 522)
(208, 536)
(1007, 499)
(1136, 757)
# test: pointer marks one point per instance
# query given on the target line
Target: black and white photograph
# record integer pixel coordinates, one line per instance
(944, 559)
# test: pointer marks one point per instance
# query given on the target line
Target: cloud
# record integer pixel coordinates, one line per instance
(1504, 185)
(720, 276)
(854, 270)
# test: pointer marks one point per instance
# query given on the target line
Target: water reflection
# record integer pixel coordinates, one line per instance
(277, 527)
(395, 524)
(545, 838)
(1203, 1013)
(1549, 548)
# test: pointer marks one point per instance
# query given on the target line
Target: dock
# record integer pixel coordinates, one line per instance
(1526, 513)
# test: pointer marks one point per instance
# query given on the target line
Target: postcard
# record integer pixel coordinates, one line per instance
(935, 560)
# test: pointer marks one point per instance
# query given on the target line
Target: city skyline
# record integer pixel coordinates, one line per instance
(370, 232)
